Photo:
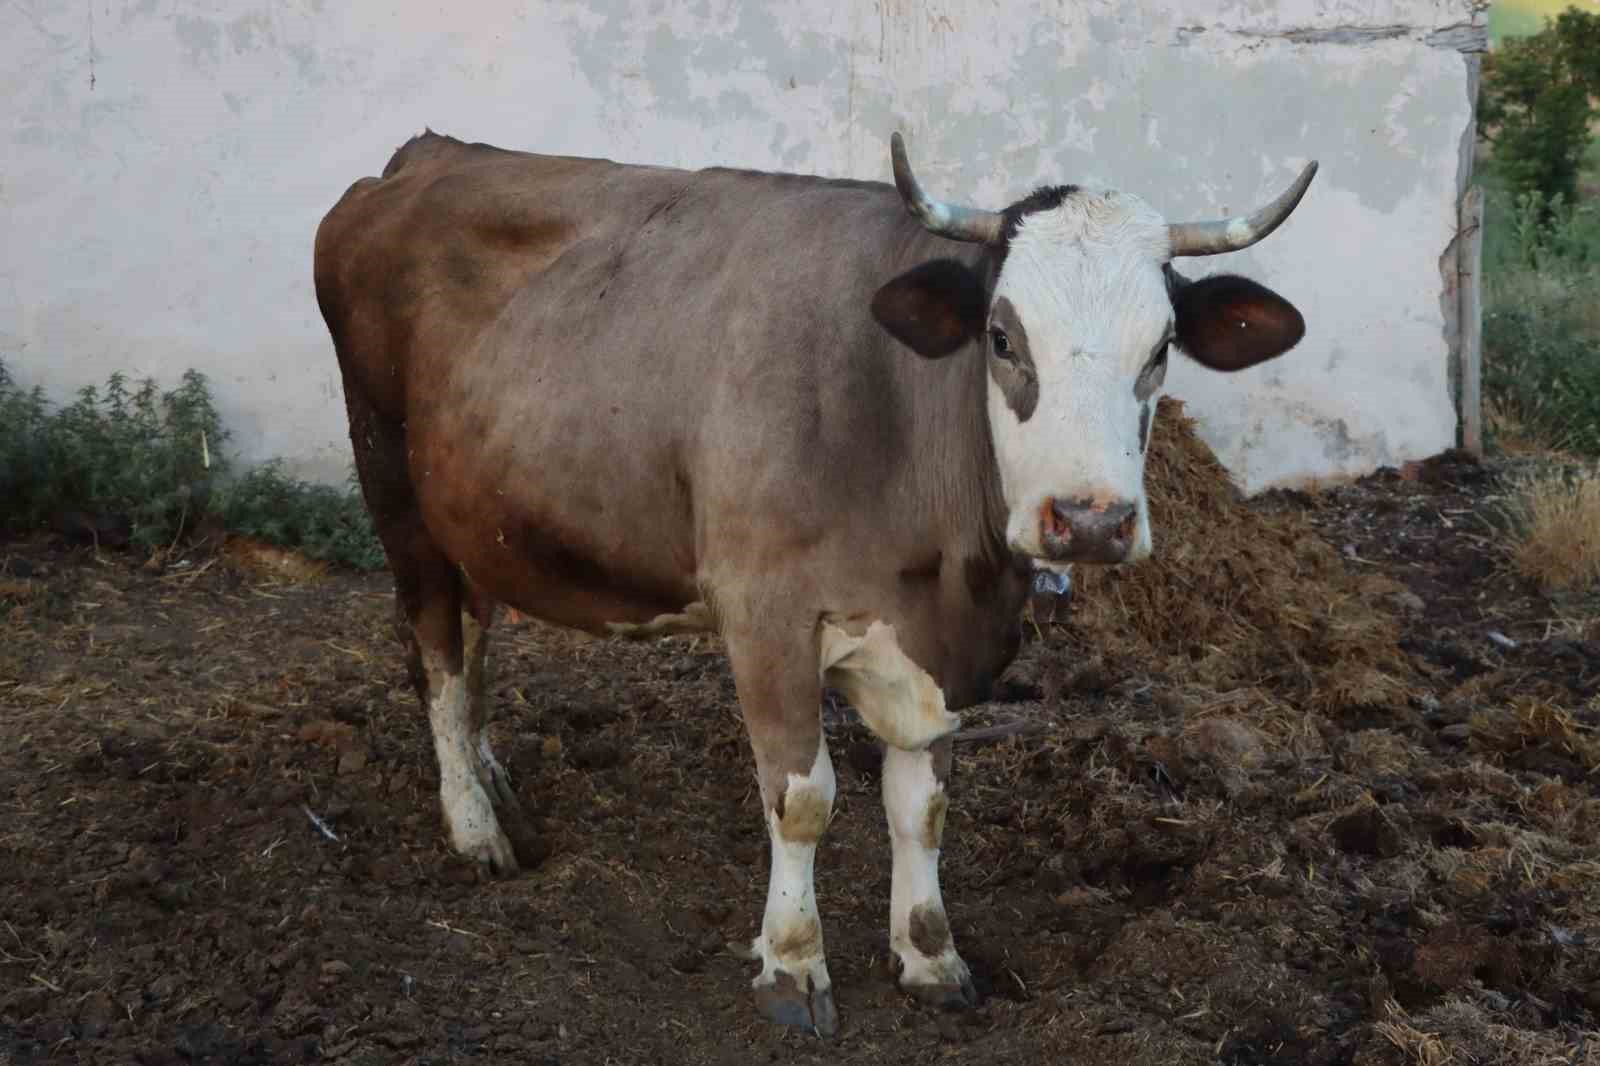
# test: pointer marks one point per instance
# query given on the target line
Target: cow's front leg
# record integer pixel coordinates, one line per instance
(900, 702)
(780, 694)
(919, 933)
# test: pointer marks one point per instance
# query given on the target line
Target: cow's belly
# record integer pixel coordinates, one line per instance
(554, 514)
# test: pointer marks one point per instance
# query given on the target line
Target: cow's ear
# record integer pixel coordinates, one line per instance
(1228, 323)
(934, 308)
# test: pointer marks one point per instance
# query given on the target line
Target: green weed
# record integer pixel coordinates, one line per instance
(147, 456)
(320, 521)
(152, 463)
(1541, 328)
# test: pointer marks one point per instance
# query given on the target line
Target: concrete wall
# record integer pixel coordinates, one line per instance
(166, 162)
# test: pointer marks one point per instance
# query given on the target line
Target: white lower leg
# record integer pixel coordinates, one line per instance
(791, 930)
(474, 829)
(919, 933)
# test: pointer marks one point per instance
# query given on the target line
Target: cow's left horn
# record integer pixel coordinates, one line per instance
(1232, 234)
(959, 223)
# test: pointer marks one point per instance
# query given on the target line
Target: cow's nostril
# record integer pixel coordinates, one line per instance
(1056, 520)
(1126, 528)
(1061, 518)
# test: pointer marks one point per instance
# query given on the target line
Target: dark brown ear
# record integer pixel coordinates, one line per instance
(1228, 323)
(933, 309)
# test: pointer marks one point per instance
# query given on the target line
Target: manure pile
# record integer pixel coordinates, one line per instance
(1241, 607)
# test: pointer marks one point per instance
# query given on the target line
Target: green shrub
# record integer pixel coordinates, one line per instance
(318, 520)
(153, 461)
(1541, 328)
(142, 454)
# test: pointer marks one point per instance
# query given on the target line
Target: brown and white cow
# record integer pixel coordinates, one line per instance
(836, 421)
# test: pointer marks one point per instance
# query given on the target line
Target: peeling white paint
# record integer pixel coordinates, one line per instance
(166, 166)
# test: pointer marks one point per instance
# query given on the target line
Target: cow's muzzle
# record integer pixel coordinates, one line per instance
(1086, 531)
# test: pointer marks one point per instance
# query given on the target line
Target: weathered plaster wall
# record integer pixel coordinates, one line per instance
(166, 164)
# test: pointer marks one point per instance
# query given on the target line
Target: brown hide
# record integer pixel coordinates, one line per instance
(606, 391)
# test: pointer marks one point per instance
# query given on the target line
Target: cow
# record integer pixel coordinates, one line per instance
(840, 423)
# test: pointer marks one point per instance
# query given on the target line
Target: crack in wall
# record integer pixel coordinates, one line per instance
(1465, 37)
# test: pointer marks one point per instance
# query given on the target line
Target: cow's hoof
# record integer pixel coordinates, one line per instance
(475, 831)
(494, 854)
(784, 1002)
(945, 996)
(943, 982)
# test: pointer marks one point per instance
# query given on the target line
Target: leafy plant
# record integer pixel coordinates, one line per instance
(138, 453)
(1541, 328)
(152, 462)
(319, 520)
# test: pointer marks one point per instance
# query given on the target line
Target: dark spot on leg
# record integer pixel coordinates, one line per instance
(802, 815)
(803, 941)
(933, 821)
(1144, 426)
(930, 930)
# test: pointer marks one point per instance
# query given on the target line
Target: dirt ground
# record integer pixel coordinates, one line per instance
(1180, 864)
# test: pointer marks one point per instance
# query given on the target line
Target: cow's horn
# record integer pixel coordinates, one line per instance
(1232, 234)
(959, 223)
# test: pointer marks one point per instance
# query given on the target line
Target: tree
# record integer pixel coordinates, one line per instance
(1536, 103)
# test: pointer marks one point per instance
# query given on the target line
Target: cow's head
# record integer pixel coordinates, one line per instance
(1074, 307)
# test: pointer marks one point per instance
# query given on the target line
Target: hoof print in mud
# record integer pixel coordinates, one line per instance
(784, 1003)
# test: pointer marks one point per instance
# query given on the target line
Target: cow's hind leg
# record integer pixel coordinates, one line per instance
(448, 675)
(477, 618)
(775, 671)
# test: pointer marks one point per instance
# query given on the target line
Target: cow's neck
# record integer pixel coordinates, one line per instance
(963, 483)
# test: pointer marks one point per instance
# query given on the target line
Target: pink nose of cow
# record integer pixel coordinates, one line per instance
(1083, 531)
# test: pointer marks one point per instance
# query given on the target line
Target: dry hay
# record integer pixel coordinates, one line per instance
(1239, 601)
(269, 560)
(1557, 516)
(1458, 1031)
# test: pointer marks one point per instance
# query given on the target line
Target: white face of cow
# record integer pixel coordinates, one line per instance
(1079, 326)
(1073, 305)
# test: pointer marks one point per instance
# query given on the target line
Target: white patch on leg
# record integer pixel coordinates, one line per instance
(474, 829)
(919, 933)
(791, 930)
(895, 697)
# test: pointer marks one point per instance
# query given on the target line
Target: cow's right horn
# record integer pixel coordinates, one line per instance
(1233, 234)
(959, 223)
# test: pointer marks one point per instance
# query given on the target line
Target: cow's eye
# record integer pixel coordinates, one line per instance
(1000, 343)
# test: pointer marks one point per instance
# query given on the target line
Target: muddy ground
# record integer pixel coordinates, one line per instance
(1161, 875)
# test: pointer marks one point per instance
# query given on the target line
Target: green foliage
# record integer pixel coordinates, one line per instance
(1535, 104)
(155, 459)
(1541, 329)
(147, 455)
(318, 520)
(1552, 236)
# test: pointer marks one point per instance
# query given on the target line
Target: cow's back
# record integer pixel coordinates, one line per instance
(415, 264)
